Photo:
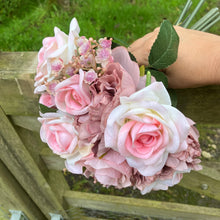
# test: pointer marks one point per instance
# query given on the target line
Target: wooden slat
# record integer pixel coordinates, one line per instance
(52, 161)
(34, 145)
(200, 104)
(29, 122)
(17, 97)
(17, 64)
(192, 181)
(146, 208)
(17, 70)
(195, 180)
(14, 197)
(59, 185)
(17, 159)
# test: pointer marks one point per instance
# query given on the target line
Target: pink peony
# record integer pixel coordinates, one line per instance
(166, 178)
(110, 170)
(145, 128)
(72, 95)
(108, 89)
(187, 160)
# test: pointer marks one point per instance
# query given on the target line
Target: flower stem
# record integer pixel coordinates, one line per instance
(207, 17)
(211, 24)
(185, 10)
(193, 13)
(148, 78)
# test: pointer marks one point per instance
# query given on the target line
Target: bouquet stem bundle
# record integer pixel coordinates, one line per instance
(206, 22)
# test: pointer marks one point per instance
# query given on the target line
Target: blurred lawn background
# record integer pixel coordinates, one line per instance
(24, 23)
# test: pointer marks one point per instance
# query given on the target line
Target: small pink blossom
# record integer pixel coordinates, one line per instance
(69, 70)
(57, 65)
(88, 61)
(84, 45)
(72, 95)
(81, 40)
(104, 43)
(90, 76)
(103, 56)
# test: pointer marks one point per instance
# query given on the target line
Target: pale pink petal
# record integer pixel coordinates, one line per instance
(120, 55)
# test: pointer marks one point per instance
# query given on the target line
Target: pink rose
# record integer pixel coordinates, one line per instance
(58, 132)
(145, 128)
(47, 100)
(110, 170)
(72, 95)
(61, 47)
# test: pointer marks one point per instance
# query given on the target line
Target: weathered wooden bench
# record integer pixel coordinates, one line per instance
(30, 174)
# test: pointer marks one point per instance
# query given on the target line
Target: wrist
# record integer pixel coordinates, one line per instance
(215, 65)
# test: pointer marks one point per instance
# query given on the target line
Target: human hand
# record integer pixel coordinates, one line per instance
(198, 61)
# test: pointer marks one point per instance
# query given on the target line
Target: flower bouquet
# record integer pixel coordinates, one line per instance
(110, 119)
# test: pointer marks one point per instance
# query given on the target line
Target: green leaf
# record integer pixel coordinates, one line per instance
(164, 50)
(45, 109)
(132, 57)
(173, 97)
(159, 76)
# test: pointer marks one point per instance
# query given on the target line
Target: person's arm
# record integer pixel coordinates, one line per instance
(198, 62)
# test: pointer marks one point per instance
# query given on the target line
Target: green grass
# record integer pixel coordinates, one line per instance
(23, 26)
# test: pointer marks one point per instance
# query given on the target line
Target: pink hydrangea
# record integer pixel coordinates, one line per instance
(187, 160)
